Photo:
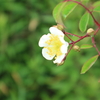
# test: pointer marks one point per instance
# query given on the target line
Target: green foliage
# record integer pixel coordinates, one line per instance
(84, 22)
(68, 9)
(85, 46)
(97, 8)
(57, 12)
(97, 3)
(89, 64)
(24, 73)
(62, 10)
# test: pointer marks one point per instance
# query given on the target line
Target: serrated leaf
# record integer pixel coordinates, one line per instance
(97, 9)
(89, 64)
(85, 46)
(57, 12)
(68, 9)
(83, 22)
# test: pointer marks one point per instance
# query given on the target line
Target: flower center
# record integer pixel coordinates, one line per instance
(54, 45)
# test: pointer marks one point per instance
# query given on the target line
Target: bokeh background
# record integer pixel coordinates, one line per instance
(24, 73)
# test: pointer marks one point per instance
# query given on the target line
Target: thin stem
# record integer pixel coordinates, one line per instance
(72, 34)
(68, 52)
(96, 31)
(86, 9)
(82, 37)
(69, 37)
(94, 45)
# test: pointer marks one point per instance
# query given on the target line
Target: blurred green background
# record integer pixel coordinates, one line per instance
(24, 73)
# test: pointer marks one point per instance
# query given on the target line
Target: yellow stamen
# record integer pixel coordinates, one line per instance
(54, 45)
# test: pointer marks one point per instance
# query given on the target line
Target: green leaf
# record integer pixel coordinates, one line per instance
(97, 9)
(89, 64)
(57, 12)
(84, 1)
(91, 22)
(96, 6)
(68, 9)
(85, 46)
(83, 22)
(96, 3)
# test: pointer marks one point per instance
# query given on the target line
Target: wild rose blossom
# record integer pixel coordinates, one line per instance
(54, 45)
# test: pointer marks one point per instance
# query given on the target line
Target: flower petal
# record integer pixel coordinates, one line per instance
(46, 55)
(56, 31)
(64, 47)
(62, 39)
(43, 39)
(59, 59)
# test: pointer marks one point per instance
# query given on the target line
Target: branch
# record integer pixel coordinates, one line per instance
(86, 9)
(72, 34)
(68, 52)
(82, 37)
(94, 45)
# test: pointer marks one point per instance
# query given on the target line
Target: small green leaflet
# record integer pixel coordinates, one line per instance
(62, 10)
(91, 22)
(68, 9)
(57, 12)
(87, 65)
(97, 9)
(84, 1)
(96, 6)
(83, 22)
(85, 46)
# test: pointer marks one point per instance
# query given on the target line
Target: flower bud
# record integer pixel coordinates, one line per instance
(54, 26)
(76, 48)
(90, 31)
(60, 27)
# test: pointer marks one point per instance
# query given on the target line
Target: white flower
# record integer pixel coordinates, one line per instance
(54, 45)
